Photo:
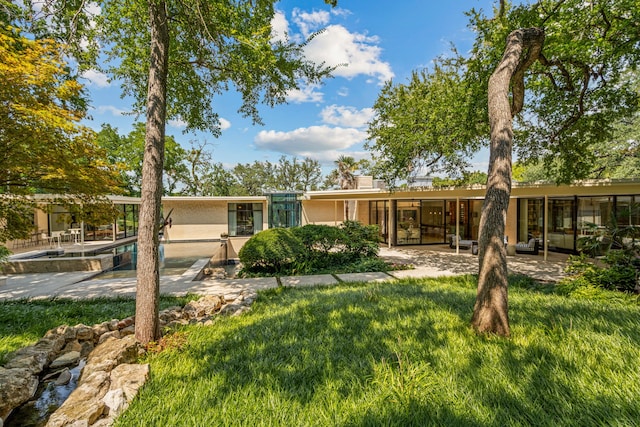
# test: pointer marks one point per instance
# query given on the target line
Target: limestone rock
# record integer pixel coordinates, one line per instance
(84, 403)
(66, 359)
(64, 377)
(205, 306)
(84, 332)
(115, 401)
(29, 358)
(105, 336)
(129, 378)
(101, 328)
(111, 353)
(18, 386)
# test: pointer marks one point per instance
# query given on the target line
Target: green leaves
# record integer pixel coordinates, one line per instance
(428, 125)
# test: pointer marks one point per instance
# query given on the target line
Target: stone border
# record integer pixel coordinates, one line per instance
(111, 378)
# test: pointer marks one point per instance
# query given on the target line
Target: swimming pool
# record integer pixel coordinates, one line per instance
(175, 258)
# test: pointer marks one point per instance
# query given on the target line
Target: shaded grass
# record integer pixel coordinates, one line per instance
(400, 354)
(24, 322)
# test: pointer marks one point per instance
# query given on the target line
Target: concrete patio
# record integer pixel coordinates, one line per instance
(428, 261)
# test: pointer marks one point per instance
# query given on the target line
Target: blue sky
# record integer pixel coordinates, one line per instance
(379, 40)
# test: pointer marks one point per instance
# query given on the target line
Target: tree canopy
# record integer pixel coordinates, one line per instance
(43, 147)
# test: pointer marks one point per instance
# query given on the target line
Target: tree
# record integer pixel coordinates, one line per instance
(126, 153)
(468, 178)
(43, 148)
(173, 59)
(346, 167)
(567, 59)
(429, 125)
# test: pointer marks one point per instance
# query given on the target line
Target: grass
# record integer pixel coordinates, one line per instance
(400, 354)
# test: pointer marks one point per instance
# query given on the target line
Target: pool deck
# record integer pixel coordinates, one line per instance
(428, 261)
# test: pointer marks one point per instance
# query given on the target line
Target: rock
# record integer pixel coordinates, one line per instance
(66, 359)
(205, 306)
(129, 330)
(129, 378)
(111, 353)
(101, 328)
(115, 402)
(107, 335)
(86, 347)
(29, 358)
(84, 332)
(230, 308)
(64, 377)
(18, 386)
(72, 346)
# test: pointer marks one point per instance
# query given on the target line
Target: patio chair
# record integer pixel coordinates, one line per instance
(462, 244)
(529, 248)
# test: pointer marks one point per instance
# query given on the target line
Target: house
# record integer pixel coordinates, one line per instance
(556, 215)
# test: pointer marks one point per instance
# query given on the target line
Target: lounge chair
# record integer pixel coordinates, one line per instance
(462, 244)
(529, 248)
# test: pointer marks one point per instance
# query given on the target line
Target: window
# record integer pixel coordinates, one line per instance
(284, 210)
(245, 219)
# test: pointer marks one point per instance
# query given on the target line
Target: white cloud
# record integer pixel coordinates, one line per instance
(96, 78)
(346, 116)
(311, 142)
(177, 123)
(355, 53)
(224, 124)
(343, 91)
(115, 111)
(308, 22)
(307, 93)
(181, 124)
(279, 27)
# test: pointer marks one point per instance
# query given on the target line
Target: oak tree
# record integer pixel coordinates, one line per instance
(555, 69)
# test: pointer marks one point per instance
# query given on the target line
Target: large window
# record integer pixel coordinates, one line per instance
(245, 219)
(379, 215)
(561, 227)
(408, 223)
(284, 210)
(432, 221)
(530, 219)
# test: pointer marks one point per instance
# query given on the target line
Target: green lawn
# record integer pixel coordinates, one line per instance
(400, 354)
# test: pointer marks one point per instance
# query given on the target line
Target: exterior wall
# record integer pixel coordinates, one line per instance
(202, 218)
(511, 223)
(362, 212)
(196, 219)
(322, 212)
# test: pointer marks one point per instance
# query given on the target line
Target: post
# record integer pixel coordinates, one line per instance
(457, 238)
(545, 228)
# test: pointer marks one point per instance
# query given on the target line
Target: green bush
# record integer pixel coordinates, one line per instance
(360, 241)
(619, 274)
(312, 249)
(271, 251)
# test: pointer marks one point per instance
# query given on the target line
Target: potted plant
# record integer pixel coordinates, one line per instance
(4, 257)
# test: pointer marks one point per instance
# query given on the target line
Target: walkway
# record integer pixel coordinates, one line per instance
(428, 262)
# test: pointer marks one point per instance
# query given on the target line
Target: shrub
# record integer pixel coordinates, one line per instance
(620, 273)
(312, 248)
(360, 241)
(271, 251)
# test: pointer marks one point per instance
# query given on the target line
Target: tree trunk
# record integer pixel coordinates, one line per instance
(491, 310)
(148, 275)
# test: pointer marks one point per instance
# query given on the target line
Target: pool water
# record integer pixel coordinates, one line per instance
(175, 258)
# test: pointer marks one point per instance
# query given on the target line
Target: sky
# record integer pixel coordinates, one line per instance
(378, 40)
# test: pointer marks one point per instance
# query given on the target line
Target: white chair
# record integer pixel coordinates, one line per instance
(55, 236)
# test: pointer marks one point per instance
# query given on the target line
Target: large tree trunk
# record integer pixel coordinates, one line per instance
(148, 275)
(491, 310)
